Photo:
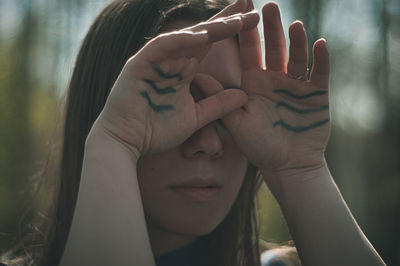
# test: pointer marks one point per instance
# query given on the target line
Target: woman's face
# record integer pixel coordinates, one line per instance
(174, 219)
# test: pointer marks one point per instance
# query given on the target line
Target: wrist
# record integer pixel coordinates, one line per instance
(99, 139)
(293, 181)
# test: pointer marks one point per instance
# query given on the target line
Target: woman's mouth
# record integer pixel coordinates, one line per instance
(199, 194)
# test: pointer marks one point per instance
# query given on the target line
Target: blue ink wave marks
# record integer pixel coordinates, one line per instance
(301, 128)
(298, 129)
(160, 108)
(157, 90)
(161, 73)
(295, 96)
(155, 107)
(301, 111)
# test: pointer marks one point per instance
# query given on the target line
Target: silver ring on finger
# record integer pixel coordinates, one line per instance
(300, 77)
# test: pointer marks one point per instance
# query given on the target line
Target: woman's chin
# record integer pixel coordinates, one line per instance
(194, 228)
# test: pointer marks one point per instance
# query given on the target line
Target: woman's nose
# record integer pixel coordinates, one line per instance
(204, 143)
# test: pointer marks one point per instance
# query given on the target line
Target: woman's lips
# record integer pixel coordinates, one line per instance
(199, 194)
(198, 181)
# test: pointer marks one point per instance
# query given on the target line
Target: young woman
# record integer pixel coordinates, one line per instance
(172, 124)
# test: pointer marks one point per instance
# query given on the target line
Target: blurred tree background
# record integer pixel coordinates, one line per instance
(39, 40)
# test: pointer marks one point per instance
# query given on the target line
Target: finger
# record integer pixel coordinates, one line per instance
(298, 50)
(320, 69)
(250, 47)
(172, 42)
(217, 30)
(207, 84)
(218, 102)
(194, 41)
(201, 34)
(238, 6)
(227, 27)
(275, 43)
(167, 44)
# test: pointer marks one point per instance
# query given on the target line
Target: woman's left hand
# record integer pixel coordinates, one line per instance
(284, 127)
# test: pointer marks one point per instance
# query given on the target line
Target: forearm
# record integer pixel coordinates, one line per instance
(322, 226)
(108, 226)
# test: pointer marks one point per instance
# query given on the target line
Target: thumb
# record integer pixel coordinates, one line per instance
(218, 102)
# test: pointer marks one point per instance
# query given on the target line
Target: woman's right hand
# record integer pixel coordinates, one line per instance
(150, 108)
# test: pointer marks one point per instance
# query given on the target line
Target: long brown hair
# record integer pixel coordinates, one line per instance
(118, 32)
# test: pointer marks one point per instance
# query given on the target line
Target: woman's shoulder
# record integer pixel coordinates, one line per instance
(280, 255)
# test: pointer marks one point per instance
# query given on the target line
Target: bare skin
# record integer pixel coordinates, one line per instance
(289, 117)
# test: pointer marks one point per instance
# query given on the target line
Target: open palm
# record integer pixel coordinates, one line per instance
(150, 108)
(285, 124)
